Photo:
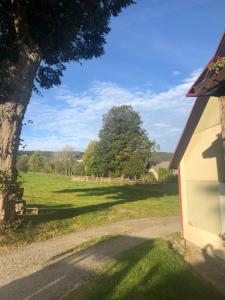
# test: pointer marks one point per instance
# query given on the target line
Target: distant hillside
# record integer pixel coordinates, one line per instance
(161, 156)
(156, 156)
(78, 154)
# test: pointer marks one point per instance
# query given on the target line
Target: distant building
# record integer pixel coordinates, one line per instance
(199, 157)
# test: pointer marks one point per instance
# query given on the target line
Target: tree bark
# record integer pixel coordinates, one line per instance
(12, 111)
(18, 76)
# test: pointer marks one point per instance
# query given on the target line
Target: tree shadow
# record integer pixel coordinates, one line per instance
(113, 196)
(67, 272)
(138, 191)
(161, 282)
(166, 278)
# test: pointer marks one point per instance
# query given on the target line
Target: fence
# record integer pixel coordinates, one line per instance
(117, 180)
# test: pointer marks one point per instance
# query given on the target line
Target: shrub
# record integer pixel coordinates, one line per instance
(166, 175)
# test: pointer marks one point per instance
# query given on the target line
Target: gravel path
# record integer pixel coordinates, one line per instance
(33, 273)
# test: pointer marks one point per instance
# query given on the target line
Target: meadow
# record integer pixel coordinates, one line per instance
(66, 206)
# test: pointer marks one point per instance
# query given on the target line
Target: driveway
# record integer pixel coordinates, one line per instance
(47, 269)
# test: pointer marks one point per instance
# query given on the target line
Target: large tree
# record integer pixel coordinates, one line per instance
(37, 39)
(121, 140)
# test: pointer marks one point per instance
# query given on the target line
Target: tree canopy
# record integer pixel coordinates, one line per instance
(124, 147)
(37, 39)
(61, 31)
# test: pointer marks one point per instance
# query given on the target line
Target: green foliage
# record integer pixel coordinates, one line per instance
(58, 166)
(63, 161)
(135, 166)
(148, 178)
(90, 159)
(36, 162)
(50, 154)
(78, 168)
(23, 163)
(217, 65)
(9, 186)
(8, 228)
(63, 31)
(166, 175)
(123, 143)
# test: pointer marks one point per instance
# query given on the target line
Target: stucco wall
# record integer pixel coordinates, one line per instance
(202, 178)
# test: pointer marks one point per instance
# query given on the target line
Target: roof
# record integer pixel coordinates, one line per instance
(189, 129)
(210, 83)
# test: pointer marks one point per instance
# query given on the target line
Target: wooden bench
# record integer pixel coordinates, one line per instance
(32, 210)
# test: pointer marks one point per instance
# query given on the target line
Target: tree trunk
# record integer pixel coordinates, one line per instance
(12, 110)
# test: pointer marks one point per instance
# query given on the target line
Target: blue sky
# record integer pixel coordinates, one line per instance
(154, 52)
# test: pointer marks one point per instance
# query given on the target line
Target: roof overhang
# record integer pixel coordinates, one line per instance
(209, 83)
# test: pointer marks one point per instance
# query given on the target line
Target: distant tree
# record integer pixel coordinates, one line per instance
(78, 168)
(90, 158)
(37, 39)
(48, 165)
(68, 157)
(62, 161)
(57, 163)
(121, 140)
(157, 157)
(36, 162)
(22, 164)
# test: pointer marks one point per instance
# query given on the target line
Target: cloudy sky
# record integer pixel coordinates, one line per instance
(154, 52)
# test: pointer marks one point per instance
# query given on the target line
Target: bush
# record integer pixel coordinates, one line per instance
(166, 175)
(148, 178)
(23, 163)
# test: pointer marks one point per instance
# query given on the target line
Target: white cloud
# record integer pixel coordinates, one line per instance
(176, 73)
(75, 118)
(161, 125)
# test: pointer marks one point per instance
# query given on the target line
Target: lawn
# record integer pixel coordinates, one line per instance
(67, 206)
(149, 271)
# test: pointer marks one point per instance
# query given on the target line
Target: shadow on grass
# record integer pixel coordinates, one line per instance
(147, 271)
(113, 196)
(133, 192)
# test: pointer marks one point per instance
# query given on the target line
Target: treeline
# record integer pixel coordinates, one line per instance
(123, 149)
(157, 157)
(63, 162)
(77, 154)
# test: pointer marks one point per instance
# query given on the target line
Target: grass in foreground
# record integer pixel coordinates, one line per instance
(67, 206)
(85, 245)
(149, 271)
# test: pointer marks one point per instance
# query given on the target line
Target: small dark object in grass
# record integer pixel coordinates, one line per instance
(20, 207)
(32, 210)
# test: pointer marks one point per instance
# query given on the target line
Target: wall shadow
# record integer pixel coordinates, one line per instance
(216, 150)
(163, 280)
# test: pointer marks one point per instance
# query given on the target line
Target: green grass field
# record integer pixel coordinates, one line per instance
(149, 271)
(67, 206)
